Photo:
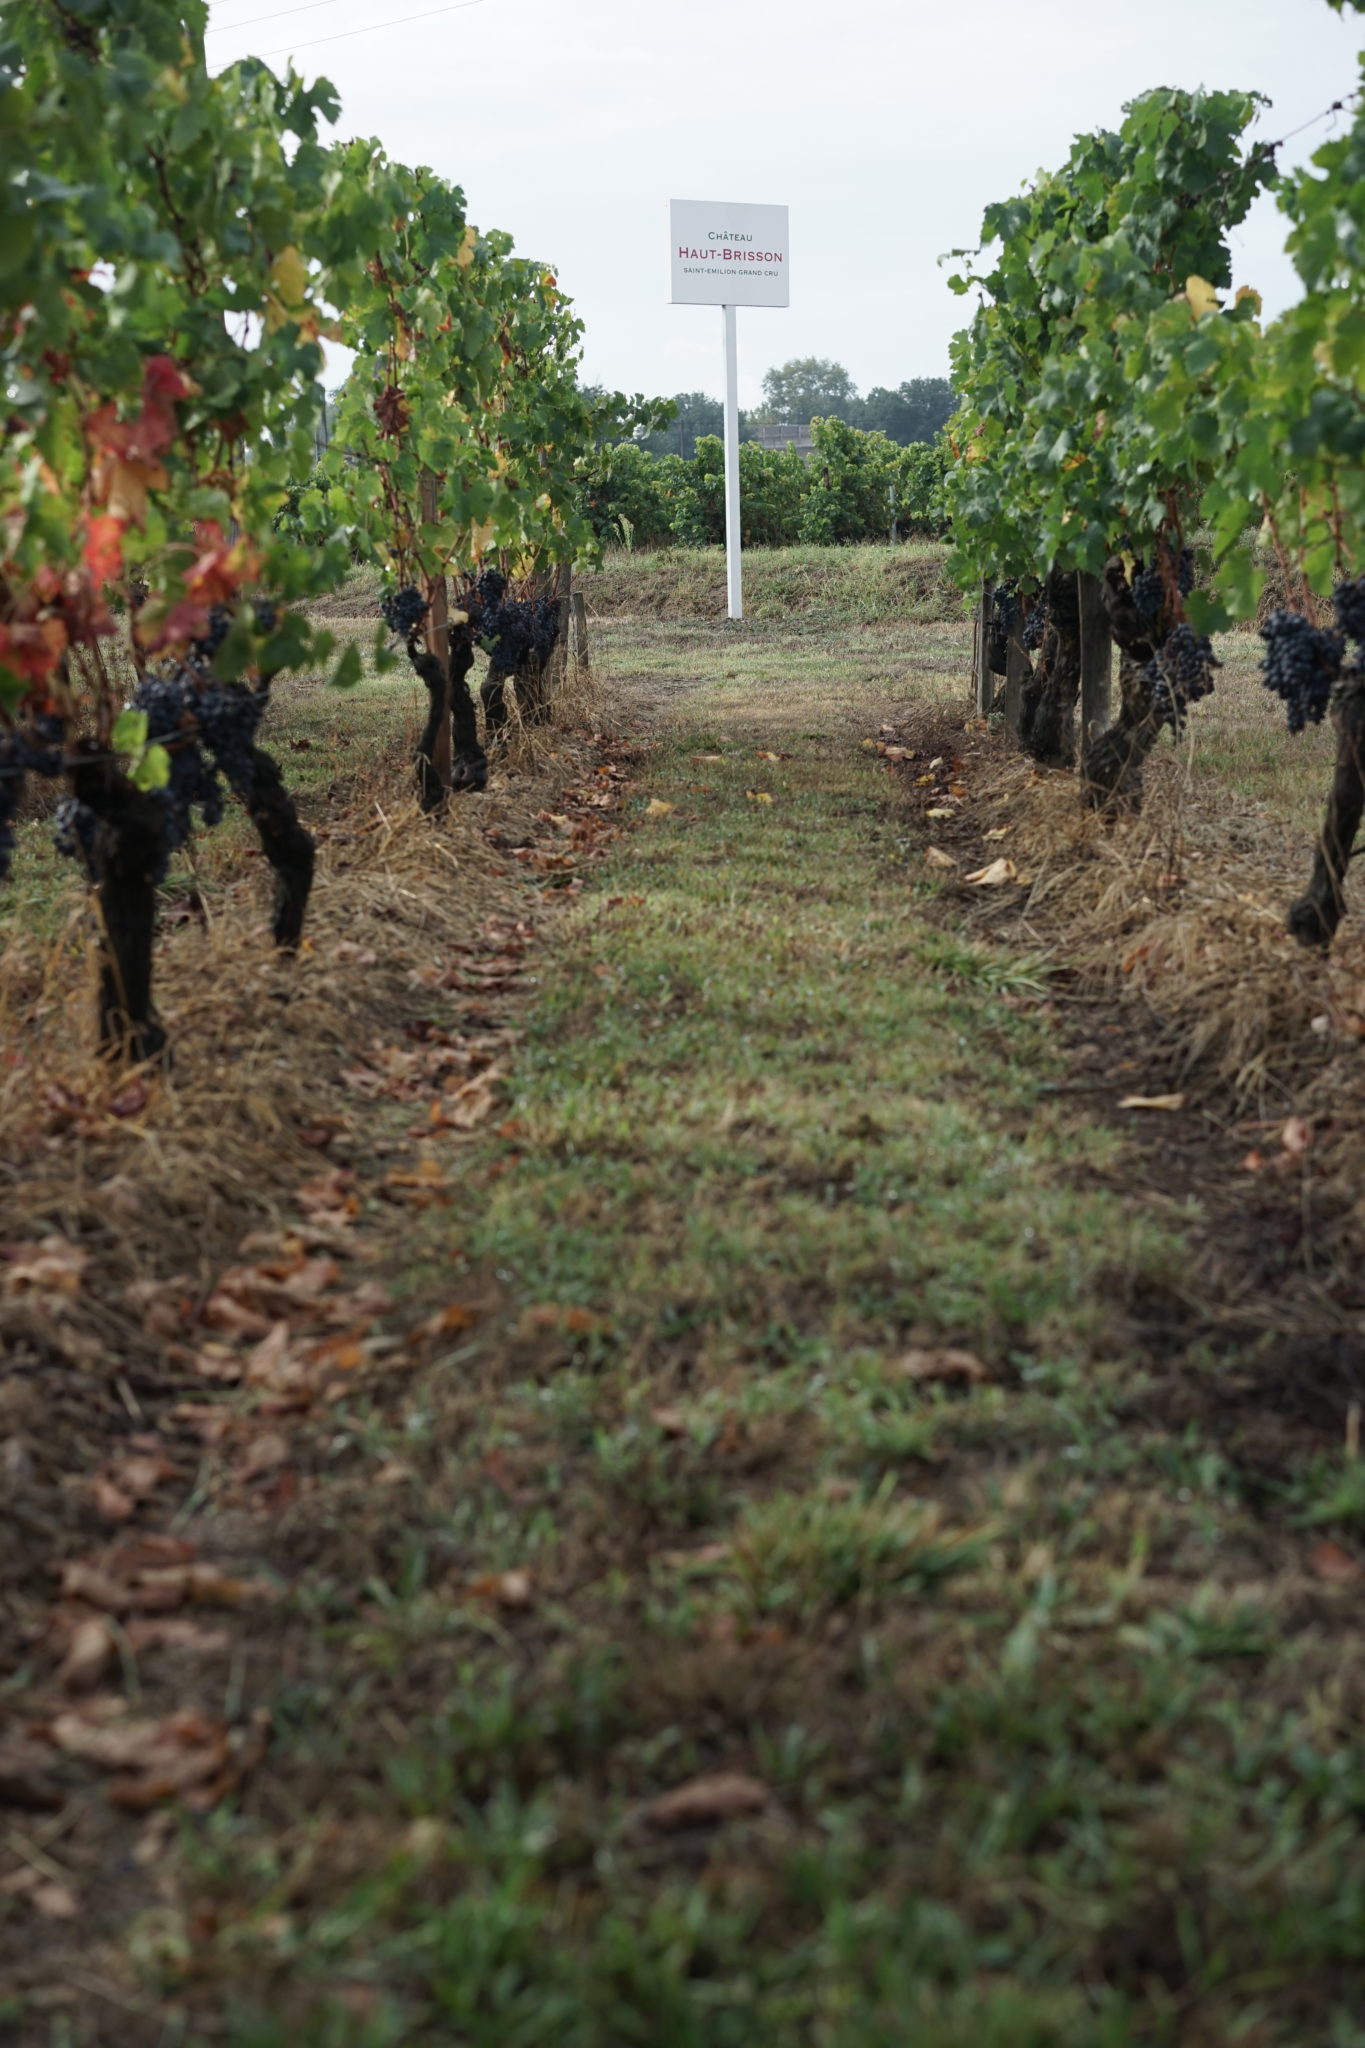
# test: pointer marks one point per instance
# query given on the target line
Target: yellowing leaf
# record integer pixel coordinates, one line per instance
(657, 808)
(941, 811)
(758, 796)
(934, 857)
(289, 276)
(1170, 1102)
(464, 255)
(1201, 295)
(992, 877)
(998, 832)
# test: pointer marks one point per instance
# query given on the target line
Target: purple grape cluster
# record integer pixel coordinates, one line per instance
(73, 832)
(1301, 664)
(1348, 602)
(404, 610)
(513, 630)
(1148, 585)
(1035, 625)
(1179, 674)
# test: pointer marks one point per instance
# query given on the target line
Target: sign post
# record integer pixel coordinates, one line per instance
(729, 255)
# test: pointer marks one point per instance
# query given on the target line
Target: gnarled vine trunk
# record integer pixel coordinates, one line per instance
(1111, 765)
(1047, 698)
(287, 846)
(126, 859)
(534, 682)
(1314, 918)
(450, 709)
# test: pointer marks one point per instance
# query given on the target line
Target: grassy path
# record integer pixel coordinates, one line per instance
(766, 1633)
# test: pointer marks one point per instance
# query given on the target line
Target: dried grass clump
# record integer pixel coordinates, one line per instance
(160, 1173)
(1179, 912)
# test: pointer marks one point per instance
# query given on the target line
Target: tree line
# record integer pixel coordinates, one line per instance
(809, 388)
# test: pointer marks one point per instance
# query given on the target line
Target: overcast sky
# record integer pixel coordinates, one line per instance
(885, 125)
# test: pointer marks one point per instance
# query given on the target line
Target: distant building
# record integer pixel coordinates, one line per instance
(781, 435)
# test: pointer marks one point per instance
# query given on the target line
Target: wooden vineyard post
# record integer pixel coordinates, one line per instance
(1096, 657)
(1017, 667)
(985, 680)
(562, 591)
(578, 629)
(438, 644)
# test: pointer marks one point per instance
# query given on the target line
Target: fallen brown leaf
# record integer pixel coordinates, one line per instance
(946, 1363)
(52, 1268)
(93, 1649)
(55, 1901)
(671, 1421)
(657, 808)
(512, 1589)
(1166, 1102)
(992, 877)
(935, 857)
(265, 1453)
(701, 1802)
(1329, 1561)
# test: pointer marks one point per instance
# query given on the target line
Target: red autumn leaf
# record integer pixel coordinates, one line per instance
(31, 652)
(104, 546)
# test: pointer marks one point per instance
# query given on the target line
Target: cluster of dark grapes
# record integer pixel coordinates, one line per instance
(73, 832)
(1179, 674)
(1035, 625)
(206, 646)
(186, 717)
(229, 715)
(404, 610)
(21, 755)
(1004, 612)
(1149, 585)
(513, 630)
(1301, 664)
(1348, 601)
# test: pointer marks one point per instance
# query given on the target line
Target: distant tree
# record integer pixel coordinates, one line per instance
(623, 418)
(915, 411)
(810, 387)
(696, 415)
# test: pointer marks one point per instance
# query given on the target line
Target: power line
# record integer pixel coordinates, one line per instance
(308, 7)
(290, 49)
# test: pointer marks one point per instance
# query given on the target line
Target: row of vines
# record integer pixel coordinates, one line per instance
(1129, 418)
(855, 486)
(175, 247)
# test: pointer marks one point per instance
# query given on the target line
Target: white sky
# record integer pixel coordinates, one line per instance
(885, 125)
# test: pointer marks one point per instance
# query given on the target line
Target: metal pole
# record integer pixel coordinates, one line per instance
(734, 579)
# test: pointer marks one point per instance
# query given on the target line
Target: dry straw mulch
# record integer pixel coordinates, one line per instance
(125, 1195)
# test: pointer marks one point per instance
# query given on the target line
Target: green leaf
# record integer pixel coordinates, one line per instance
(152, 770)
(1207, 613)
(349, 669)
(128, 734)
(238, 650)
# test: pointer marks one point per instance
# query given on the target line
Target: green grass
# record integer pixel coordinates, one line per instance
(809, 587)
(1051, 1757)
